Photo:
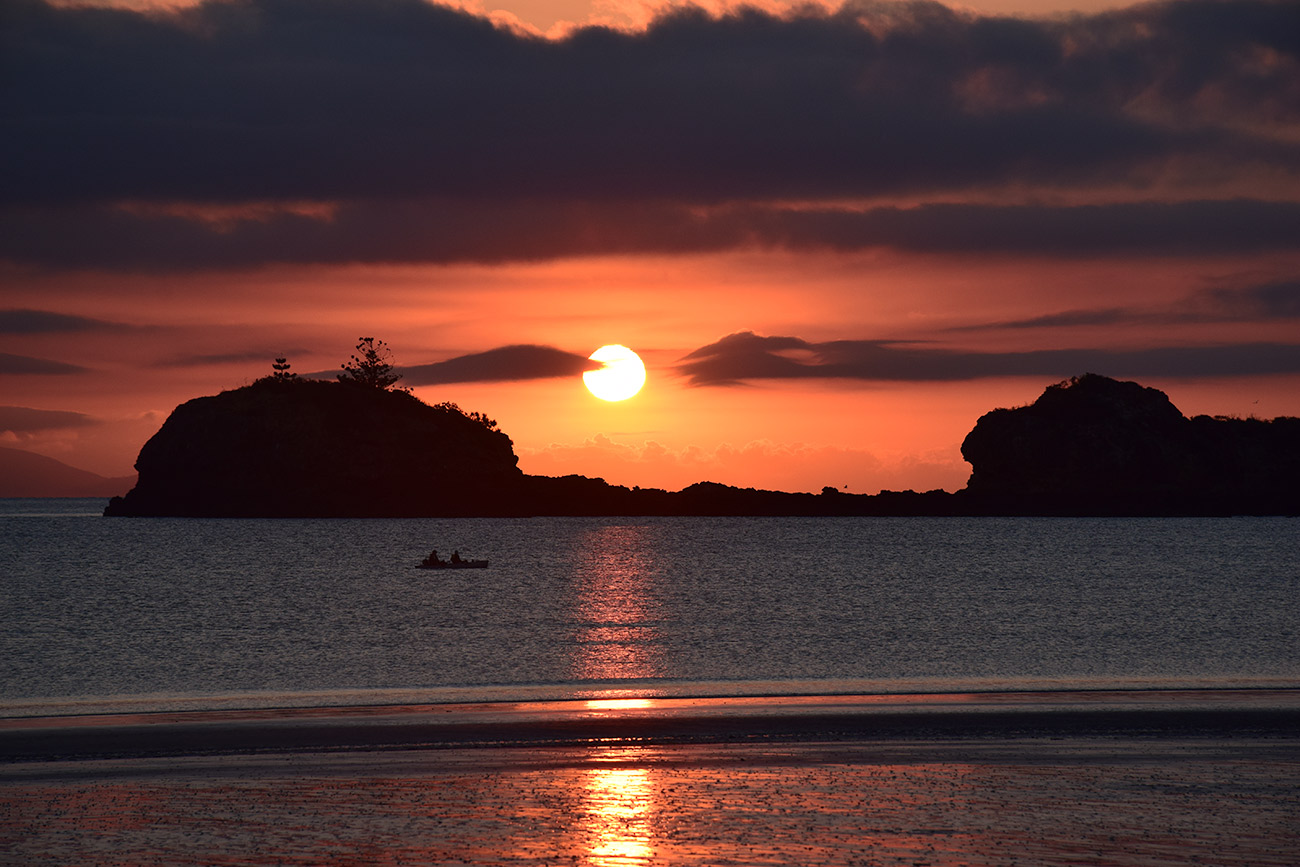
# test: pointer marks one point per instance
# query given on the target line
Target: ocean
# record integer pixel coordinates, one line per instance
(114, 614)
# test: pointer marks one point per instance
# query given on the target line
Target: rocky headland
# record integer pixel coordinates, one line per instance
(1087, 446)
(310, 448)
(1095, 446)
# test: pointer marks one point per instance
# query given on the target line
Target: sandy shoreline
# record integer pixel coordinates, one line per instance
(1060, 778)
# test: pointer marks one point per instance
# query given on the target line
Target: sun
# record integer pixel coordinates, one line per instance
(620, 378)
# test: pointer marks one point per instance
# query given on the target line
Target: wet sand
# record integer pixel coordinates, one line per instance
(1042, 778)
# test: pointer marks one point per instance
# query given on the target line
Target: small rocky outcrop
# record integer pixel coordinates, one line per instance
(1096, 446)
(303, 448)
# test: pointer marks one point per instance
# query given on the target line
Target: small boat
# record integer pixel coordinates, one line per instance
(426, 563)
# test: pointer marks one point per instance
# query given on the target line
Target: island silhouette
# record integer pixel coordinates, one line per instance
(290, 447)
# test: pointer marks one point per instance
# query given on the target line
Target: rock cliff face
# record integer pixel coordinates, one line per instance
(1095, 446)
(307, 448)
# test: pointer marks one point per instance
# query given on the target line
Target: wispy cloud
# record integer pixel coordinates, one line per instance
(506, 363)
(447, 231)
(745, 356)
(24, 321)
(22, 364)
(1272, 301)
(25, 420)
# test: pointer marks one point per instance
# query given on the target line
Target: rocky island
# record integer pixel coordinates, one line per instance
(1095, 446)
(308, 448)
(1088, 446)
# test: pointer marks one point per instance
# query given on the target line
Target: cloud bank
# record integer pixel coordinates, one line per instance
(1277, 300)
(505, 363)
(745, 356)
(26, 321)
(25, 420)
(24, 364)
(233, 134)
(445, 232)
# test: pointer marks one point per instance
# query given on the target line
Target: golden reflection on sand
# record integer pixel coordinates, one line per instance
(618, 814)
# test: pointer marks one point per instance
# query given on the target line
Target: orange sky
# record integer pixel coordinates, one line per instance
(834, 302)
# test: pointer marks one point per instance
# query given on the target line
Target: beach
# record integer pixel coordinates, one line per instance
(1120, 778)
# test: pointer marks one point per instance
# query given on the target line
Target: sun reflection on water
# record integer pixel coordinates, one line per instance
(618, 635)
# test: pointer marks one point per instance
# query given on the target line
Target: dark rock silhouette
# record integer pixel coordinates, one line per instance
(312, 448)
(1095, 446)
(1088, 446)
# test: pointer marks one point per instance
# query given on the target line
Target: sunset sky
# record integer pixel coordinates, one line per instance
(836, 235)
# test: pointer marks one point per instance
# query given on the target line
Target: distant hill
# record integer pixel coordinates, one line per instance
(27, 474)
(1087, 446)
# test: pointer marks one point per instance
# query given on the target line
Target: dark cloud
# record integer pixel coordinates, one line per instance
(24, 420)
(22, 321)
(495, 231)
(1066, 318)
(22, 364)
(506, 363)
(1273, 301)
(746, 356)
(400, 231)
(441, 136)
(1141, 228)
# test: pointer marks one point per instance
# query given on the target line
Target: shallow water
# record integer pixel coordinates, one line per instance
(1045, 803)
(102, 613)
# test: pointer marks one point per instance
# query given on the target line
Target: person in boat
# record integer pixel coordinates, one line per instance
(455, 557)
(432, 559)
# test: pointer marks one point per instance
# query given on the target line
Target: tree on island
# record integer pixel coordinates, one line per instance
(280, 374)
(281, 367)
(372, 367)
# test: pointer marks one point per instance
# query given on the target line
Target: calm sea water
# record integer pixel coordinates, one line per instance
(100, 613)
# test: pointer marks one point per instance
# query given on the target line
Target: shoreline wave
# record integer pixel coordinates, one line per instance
(271, 700)
(1183, 713)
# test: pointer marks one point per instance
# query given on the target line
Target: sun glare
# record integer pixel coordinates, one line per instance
(621, 377)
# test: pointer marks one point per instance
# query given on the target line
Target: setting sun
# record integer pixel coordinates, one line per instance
(620, 378)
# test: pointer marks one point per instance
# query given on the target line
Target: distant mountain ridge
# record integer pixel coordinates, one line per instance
(1088, 446)
(27, 474)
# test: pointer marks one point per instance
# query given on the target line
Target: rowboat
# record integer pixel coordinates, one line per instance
(448, 564)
